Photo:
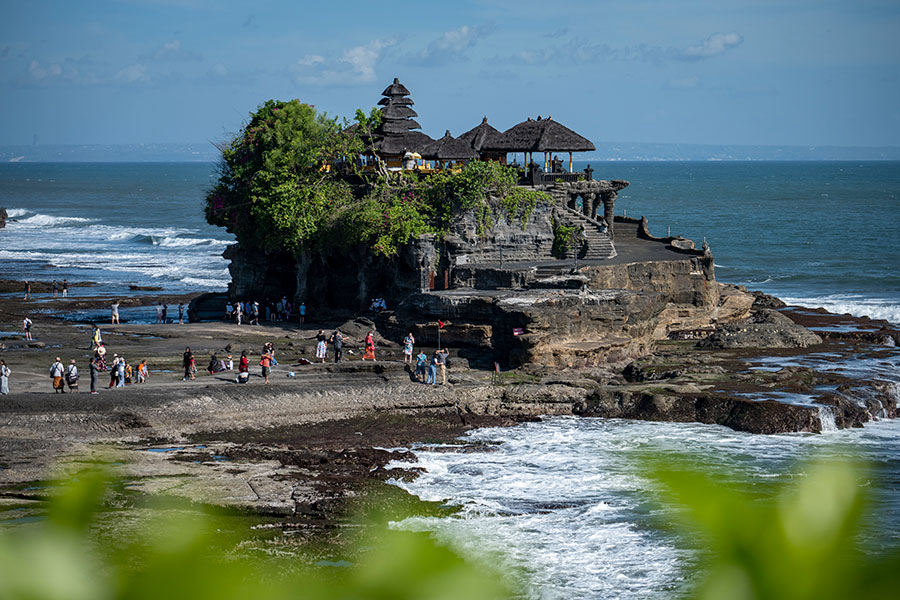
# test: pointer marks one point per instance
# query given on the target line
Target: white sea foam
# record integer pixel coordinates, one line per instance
(854, 304)
(565, 500)
(15, 213)
(46, 221)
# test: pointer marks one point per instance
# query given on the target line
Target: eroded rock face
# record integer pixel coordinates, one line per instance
(764, 329)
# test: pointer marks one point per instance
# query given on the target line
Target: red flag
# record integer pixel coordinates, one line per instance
(440, 324)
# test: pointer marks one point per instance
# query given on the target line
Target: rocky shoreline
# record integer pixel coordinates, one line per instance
(307, 450)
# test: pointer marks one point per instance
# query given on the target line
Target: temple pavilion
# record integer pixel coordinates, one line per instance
(398, 143)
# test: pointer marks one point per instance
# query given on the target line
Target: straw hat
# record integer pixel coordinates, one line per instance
(101, 351)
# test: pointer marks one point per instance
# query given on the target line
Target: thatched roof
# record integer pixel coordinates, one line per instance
(541, 135)
(449, 148)
(395, 111)
(396, 100)
(400, 126)
(477, 136)
(414, 141)
(395, 89)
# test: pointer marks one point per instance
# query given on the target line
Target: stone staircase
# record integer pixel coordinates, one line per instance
(599, 244)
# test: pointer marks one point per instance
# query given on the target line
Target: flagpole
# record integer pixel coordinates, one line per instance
(439, 336)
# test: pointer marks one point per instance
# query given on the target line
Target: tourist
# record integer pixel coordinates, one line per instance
(229, 364)
(95, 371)
(229, 310)
(181, 313)
(57, 371)
(55, 289)
(265, 362)
(65, 288)
(158, 314)
(72, 376)
(337, 342)
(321, 346)
(442, 364)
(165, 311)
(115, 312)
(187, 362)
(27, 291)
(243, 368)
(302, 312)
(113, 368)
(271, 350)
(421, 365)
(237, 312)
(4, 377)
(213, 366)
(254, 313)
(129, 373)
(432, 370)
(101, 358)
(96, 338)
(408, 343)
(370, 347)
(120, 372)
(27, 324)
(143, 372)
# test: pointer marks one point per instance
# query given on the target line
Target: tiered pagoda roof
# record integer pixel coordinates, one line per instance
(396, 134)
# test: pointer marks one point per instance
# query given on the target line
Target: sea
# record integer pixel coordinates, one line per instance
(564, 500)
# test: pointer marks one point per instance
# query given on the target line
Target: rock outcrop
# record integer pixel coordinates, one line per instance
(766, 328)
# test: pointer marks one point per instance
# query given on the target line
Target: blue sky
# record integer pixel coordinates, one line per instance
(805, 72)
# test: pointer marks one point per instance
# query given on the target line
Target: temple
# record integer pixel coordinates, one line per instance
(571, 284)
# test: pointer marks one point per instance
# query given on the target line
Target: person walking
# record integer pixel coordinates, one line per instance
(72, 376)
(321, 345)
(27, 291)
(408, 343)
(112, 371)
(95, 372)
(65, 288)
(159, 314)
(96, 338)
(181, 313)
(254, 313)
(302, 311)
(27, 324)
(421, 366)
(143, 372)
(120, 372)
(187, 362)
(265, 362)
(56, 374)
(238, 312)
(432, 370)
(337, 342)
(55, 285)
(243, 368)
(442, 364)
(370, 348)
(115, 312)
(165, 313)
(4, 377)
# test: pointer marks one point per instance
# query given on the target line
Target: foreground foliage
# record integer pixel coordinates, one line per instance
(284, 185)
(805, 543)
(182, 555)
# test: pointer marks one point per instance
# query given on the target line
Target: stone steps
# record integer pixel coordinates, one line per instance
(599, 244)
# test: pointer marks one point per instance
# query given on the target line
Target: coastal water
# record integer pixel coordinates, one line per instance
(113, 224)
(566, 503)
(563, 500)
(814, 233)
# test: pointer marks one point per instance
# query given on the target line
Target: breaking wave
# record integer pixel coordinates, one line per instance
(854, 304)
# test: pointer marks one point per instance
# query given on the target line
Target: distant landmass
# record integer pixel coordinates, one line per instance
(606, 151)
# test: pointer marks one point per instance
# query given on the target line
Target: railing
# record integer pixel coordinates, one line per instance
(539, 177)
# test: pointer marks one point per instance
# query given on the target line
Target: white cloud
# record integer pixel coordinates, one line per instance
(172, 51)
(452, 45)
(135, 73)
(714, 45)
(356, 65)
(57, 73)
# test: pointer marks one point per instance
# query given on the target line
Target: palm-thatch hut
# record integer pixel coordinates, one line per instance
(539, 135)
(449, 148)
(480, 137)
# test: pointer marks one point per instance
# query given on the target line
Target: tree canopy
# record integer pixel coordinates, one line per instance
(279, 188)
